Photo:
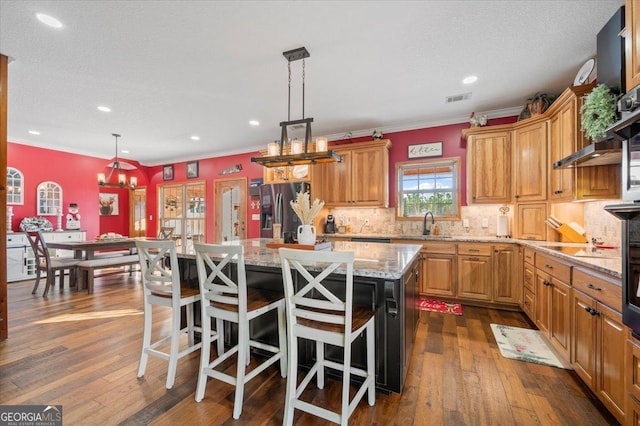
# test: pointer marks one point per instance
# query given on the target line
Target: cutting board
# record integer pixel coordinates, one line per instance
(317, 246)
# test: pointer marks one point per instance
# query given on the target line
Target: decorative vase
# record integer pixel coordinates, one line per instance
(307, 235)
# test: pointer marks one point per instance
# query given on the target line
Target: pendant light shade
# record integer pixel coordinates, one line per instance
(117, 171)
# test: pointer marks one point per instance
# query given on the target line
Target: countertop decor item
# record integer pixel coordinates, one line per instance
(292, 153)
(598, 111)
(306, 212)
(35, 224)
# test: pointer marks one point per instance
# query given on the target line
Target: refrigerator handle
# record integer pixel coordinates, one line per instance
(278, 218)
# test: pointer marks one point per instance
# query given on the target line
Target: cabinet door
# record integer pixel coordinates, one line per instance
(598, 182)
(438, 274)
(632, 43)
(369, 183)
(504, 275)
(530, 162)
(560, 321)
(562, 143)
(489, 176)
(474, 277)
(336, 181)
(16, 263)
(584, 323)
(611, 372)
(543, 301)
(530, 223)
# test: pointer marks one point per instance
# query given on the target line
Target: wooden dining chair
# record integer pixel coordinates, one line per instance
(48, 265)
(315, 312)
(224, 299)
(162, 287)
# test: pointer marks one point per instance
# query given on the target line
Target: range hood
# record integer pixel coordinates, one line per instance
(608, 151)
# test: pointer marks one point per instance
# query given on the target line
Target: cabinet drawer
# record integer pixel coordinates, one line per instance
(444, 248)
(529, 304)
(17, 239)
(605, 291)
(529, 256)
(475, 249)
(528, 279)
(558, 269)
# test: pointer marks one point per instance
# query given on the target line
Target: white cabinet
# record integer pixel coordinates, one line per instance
(20, 260)
(58, 236)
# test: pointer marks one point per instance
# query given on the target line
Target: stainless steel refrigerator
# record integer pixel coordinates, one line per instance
(275, 207)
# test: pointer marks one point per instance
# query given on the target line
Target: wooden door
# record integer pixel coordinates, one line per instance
(504, 274)
(438, 274)
(4, 321)
(584, 324)
(611, 360)
(138, 212)
(489, 176)
(560, 317)
(368, 182)
(632, 43)
(474, 277)
(530, 162)
(230, 219)
(543, 300)
(336, 181)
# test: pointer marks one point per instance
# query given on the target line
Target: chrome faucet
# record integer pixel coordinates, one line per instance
(426, 231)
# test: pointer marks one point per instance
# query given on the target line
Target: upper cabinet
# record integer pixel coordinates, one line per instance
(530, 162)
(489, 174)
(361, 179)
(300, 173)
(632, 43)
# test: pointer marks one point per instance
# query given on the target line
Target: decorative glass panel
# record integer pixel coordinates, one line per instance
(49, 199)
(15, 186)
(183, 208)
(429, 186)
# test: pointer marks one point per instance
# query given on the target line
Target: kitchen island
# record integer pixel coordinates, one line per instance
(385, 278)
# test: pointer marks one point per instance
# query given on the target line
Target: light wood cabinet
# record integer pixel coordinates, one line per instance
(439, 269)
(489, 167)
(562, 142)
(632, 43)
(475, 272)
(505, 282)
(553, 303)
(529, 284)
(360, 180)
(300, 173)
(632, 370)
(530, 162)
(529, 221)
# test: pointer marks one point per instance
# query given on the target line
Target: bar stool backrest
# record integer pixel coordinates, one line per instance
(156, 278)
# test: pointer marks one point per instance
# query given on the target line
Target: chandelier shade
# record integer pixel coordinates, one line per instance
(292, 153)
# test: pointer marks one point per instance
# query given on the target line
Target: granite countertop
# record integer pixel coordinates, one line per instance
(607, 261)
(375, 260)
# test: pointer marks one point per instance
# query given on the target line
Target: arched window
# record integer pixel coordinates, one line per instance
(49, 198)
(15, 186)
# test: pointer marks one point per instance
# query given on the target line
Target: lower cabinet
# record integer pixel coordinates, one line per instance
(553, 308)
(474, 272)
(438, 274)
(632, 368)
(505, 282)
(598, 351)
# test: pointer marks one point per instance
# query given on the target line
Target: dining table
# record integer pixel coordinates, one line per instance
(87, 249)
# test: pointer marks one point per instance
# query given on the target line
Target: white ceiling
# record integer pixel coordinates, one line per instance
(173, 69)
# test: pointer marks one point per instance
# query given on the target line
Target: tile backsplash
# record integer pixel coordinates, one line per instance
(597, 222)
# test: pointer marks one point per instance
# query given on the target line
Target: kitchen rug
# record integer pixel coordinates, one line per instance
(439, 306)
(525, 345)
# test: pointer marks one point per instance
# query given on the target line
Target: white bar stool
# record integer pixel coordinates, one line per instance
(224, 299)
(162, 287)
(315, 313)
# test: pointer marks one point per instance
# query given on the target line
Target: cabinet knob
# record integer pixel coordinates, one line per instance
(516, 196)
(590, 310)
(593, 287)
(546, 283)
(548, 266)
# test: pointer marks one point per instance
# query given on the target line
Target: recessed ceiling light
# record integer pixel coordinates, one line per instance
(254, 122)
(34, 132)
(125, 151)
(104, 108)
(195, 138)
(49, 20)
(470, 79)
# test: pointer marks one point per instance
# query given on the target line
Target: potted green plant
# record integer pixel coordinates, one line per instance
(598, 111)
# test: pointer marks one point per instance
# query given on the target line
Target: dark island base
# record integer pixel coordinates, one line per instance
(396, 320)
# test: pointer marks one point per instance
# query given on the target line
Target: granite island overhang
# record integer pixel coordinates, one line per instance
(385, 278)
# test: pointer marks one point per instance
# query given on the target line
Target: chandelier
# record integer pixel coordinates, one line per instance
(115, 169)
(282, 153)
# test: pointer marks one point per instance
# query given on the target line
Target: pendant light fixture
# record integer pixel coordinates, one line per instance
(115, 169)
(282, 153)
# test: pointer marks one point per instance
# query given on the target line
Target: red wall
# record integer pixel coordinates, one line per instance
(77, 176)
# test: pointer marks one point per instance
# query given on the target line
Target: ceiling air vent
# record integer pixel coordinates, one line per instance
(458, 98)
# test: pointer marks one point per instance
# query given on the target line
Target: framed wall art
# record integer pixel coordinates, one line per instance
(108, 204)
(192, 169)
(432, 149)
(167, 172)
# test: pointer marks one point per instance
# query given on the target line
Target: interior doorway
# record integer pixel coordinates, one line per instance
(138, 212)
(230, 219)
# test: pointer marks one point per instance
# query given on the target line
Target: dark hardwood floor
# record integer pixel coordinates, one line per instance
(81, 351)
